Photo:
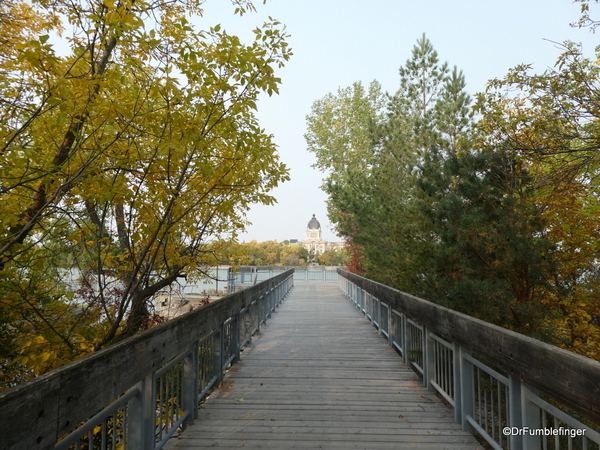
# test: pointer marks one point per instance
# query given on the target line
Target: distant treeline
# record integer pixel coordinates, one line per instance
(272, 253)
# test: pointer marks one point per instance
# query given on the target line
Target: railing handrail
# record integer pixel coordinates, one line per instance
(268, 268)
(569, 378)
(37, 413)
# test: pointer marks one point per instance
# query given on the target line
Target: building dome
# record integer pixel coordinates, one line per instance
(314, 224)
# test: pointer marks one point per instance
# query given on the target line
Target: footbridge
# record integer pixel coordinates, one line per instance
(340, 363)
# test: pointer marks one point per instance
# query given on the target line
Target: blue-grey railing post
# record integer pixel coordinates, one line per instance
(236, 337)
(269, 302)
(256, 315)
(404, 338)
(189, 386)
(266, 306)
(428, 359)
(141, 411)
(467, 396)
(218, 353)
(375, 311)
(515, 414)
(363, 300)
(378, 307)
(456, 366)
(259, 303)
(531, 418)
(390, 327)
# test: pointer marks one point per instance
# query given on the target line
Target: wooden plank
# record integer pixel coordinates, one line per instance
(320, 376)
(378, 418)
(231, 444)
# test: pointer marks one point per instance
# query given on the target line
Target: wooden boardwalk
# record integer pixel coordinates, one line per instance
(319, 376)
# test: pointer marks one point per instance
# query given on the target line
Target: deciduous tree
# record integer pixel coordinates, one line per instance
(121, 162)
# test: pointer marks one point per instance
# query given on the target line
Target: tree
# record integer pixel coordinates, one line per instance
(498, 219)
(549, 121)
(427, 117)
(339, 133)
(270, 253)
(490, 257)
(126, 164)
(372, 197)
(585, 20)
(333, 258)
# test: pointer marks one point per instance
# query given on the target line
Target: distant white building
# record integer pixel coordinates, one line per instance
(314, 243)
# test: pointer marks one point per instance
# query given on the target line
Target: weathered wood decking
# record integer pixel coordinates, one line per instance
(318, 376)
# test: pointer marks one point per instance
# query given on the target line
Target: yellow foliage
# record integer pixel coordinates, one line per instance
(116, 175)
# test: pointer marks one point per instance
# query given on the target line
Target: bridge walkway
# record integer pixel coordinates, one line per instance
(319, 376)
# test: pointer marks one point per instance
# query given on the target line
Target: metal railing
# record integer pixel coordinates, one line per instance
(516, 392)
(136, 394)
(249, 275)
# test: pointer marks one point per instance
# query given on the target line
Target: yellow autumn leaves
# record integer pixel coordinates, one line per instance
(125, 163)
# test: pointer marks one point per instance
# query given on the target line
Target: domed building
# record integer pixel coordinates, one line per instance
(314, 243)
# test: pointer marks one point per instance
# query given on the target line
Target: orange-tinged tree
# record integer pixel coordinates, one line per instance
(550, 122)
(125, 164)
(269, 253)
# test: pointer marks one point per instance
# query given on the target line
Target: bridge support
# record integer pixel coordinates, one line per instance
(218, 353)
(456, 358)
(141, 414)
(236, 337)
(189, 387)
(523, 415)
(428, 360)
(467, 398)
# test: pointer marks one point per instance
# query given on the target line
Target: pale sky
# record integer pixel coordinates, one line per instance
(338, 42)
